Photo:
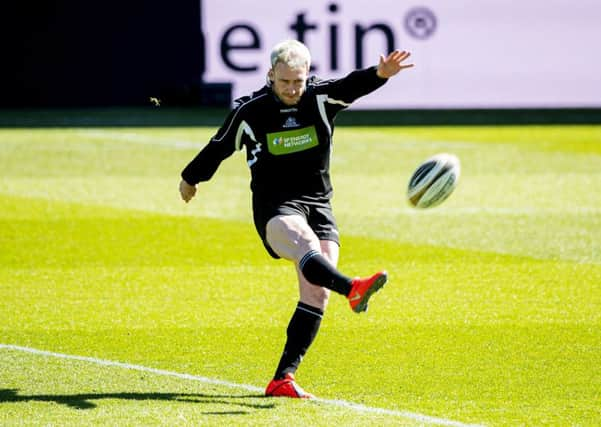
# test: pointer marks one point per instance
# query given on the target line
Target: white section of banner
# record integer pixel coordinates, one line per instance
(467, 53)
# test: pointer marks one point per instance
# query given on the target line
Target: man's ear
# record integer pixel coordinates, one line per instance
(270, 75)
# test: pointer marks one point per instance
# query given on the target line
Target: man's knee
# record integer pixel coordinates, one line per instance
(290, 236)
(315, 296)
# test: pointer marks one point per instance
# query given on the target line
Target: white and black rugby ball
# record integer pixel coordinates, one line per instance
(433, 181)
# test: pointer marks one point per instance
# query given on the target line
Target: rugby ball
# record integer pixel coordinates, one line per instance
(433, 181)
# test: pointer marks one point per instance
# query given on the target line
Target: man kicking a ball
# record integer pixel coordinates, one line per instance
(286, 128)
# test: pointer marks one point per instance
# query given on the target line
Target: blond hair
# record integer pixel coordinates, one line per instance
(291, 53)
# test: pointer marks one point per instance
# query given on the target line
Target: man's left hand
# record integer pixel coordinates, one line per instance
(392, 64)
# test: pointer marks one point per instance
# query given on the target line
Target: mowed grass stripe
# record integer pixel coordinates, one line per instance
(524, 190)
(222, 248)
(85, 401)
(508, 376)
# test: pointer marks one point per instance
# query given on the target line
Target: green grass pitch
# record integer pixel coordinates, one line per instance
(491, 316)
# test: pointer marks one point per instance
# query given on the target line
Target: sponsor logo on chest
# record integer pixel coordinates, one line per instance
(292, 141)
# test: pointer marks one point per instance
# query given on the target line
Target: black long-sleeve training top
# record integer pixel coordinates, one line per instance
(287, 147)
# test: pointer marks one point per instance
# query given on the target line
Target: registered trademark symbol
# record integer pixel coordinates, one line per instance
(420, 23)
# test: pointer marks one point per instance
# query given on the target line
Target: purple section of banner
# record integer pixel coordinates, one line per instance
(467, 54)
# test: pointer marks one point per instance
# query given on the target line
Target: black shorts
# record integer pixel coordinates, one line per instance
(318, 215)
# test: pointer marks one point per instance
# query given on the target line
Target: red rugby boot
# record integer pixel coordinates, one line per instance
(286, 387)
(363, 289)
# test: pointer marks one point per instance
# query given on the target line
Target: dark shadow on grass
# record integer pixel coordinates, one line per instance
(86, 400)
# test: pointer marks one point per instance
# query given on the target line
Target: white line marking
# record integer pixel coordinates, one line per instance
(138, 138)
(130, 367)
(477, 210)
(340, 403)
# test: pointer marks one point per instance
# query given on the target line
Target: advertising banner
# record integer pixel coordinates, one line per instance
(467, 53)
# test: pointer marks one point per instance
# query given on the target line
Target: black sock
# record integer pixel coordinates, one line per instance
(317, 270)
(301, 332)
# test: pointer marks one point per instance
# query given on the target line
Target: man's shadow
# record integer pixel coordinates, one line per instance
(85, 400)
